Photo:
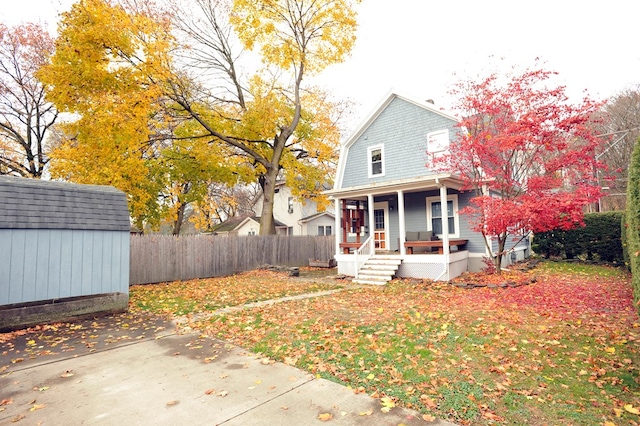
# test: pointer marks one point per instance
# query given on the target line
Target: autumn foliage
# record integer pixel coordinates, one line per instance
(528, 154)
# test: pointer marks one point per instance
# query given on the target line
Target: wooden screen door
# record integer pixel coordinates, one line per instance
(380, 219)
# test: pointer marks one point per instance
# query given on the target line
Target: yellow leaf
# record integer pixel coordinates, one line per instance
(325, 417)
(630, 408)
(371, 376)
(366, 413)
(36, 407)
(618, 412)
(610, 350)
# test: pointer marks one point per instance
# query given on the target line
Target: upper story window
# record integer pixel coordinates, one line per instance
(290, 204)
(437, 142)
(376, 160)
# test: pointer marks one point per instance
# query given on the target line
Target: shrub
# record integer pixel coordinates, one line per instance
(599, 239)
(633, 220)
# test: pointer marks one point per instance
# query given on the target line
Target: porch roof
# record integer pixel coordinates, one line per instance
(407, 185)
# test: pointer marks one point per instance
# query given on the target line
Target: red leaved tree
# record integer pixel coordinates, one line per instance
(527, 152)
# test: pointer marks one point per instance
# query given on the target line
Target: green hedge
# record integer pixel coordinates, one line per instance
(599, 240)
(633, 221)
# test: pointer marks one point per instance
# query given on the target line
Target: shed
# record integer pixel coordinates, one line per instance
(64, 251)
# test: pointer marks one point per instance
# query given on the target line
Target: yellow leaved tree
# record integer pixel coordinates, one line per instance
(163, 118)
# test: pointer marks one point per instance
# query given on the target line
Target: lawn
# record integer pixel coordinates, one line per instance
(563, 350)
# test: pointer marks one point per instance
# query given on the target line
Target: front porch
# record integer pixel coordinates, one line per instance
(415, 222)
(427, 266)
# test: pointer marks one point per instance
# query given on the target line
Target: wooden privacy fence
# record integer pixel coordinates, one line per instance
(162, 258)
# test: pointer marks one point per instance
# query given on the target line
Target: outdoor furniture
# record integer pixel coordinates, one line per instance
(346, 247)
(439, 244)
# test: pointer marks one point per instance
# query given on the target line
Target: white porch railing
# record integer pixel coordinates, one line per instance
(363, 253)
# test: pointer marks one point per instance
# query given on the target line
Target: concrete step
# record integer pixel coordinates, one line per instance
(370, 282)
(381, 278)
(386, 268)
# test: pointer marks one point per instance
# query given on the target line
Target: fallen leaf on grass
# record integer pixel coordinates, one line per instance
(428, 418)
(631, 409)
(325, 417)
(429, 402)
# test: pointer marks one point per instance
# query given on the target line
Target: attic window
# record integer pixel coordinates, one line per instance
(376, 160)
(290, 205)
(437, 142)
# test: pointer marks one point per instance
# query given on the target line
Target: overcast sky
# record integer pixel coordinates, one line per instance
(421, 47)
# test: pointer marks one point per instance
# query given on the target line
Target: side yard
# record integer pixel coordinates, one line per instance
(563, 350)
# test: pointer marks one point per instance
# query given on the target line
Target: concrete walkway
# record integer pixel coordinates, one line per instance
(156, 376)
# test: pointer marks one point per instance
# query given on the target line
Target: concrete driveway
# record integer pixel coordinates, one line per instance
(105, 373)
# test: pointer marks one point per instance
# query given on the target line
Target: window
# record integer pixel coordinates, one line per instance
(376, 160)
(324, 230)
(290, 230)
(290, 205)
(435, 215)
(437, 142)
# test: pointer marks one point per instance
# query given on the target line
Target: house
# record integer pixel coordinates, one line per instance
(389, 215)
(241, 225)
(294, 217)
(64, 251)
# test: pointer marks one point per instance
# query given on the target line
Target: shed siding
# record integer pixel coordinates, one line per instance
(61, 263)
(402, 129)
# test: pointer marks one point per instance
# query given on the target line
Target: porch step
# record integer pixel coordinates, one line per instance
(378, 270)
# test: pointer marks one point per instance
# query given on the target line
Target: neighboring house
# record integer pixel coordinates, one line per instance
(297, 218)
(387, 201)
(241, 225)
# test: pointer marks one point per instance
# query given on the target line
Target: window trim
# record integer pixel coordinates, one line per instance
(370, 162)
(456, 214)
(436, 152)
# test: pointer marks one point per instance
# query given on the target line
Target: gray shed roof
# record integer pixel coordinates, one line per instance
(40, 204)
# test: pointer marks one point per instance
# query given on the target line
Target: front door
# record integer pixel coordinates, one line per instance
(381, 220)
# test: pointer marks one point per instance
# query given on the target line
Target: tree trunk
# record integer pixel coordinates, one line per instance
(177, 224)
(502, 240)
(268, 184)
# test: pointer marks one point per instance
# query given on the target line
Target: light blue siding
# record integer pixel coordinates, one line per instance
(45, 264)
(402, 128)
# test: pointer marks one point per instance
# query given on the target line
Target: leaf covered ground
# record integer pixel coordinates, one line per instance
(563, 350)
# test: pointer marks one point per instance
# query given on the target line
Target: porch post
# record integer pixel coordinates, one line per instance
(401, 222)
(337, 226)
(445, 227)
(372, 220)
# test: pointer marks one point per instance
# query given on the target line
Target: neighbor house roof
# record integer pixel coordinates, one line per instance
(41, 204)
(316, 215)
(235, 223)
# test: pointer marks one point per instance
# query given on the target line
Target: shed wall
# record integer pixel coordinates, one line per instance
(44, 264)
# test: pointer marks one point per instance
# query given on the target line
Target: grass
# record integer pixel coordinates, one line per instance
(563, 350)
